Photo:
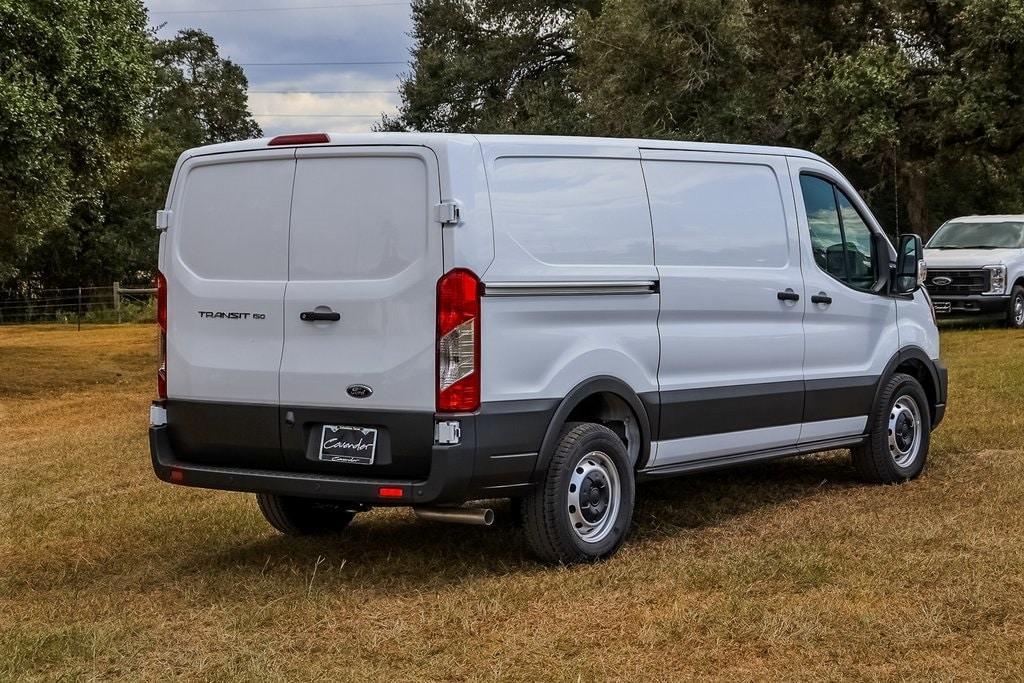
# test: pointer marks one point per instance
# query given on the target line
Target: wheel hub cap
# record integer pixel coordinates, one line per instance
(1018, 310)
(594, 493)
(904, 431)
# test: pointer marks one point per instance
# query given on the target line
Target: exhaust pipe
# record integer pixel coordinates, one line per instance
(477, 517)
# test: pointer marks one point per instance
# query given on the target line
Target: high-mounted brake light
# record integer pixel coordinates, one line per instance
(458, 342)
(302, 139)
(161, 320)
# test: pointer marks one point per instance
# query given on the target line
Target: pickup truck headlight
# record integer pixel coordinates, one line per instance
(997, 279)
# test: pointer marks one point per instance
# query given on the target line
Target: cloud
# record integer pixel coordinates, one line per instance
(351, 34)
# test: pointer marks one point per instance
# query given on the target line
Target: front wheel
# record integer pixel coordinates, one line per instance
(304, 516)
(583, 509)
(900, 433)
(1015, 314)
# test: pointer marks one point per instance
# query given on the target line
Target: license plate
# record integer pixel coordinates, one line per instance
(352, 445)
(942, 306)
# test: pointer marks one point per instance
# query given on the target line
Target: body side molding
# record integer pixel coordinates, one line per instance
(581, 288)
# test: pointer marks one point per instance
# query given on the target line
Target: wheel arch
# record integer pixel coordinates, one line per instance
(599, 399)
(913, 361)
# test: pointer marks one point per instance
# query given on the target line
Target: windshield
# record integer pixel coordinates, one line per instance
(978, 236)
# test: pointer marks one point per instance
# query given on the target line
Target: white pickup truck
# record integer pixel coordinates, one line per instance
(976, 267)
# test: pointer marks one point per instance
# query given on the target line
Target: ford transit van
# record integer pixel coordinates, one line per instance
(428, 320)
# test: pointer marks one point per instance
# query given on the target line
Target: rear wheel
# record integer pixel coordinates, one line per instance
(583, 509)
(1015, 314)
(304, 516)
(900, 435)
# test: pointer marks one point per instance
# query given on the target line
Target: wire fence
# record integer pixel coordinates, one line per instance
(114, 303)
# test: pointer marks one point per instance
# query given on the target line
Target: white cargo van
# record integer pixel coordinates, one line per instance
(427, 320)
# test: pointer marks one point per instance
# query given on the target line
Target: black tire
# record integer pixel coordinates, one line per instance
(885, 461)
(304, 516)
(592, 460)
(1015, 313)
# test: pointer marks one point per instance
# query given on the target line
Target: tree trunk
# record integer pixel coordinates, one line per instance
(915, 195)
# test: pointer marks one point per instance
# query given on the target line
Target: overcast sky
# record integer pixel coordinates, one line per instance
(254, 32)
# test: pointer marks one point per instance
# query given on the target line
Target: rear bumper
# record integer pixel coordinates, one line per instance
(451, 476)
(955, 306)
(495, 457)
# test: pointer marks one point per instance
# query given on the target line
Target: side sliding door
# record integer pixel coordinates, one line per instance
(732, 304)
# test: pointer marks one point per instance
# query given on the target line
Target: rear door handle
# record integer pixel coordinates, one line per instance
(789, 295)
(320, 316)
(821, 298)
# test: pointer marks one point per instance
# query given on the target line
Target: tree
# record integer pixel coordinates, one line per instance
(73, 78)
(672, 68)
(492, 66)
(199, 96)
(933, 97)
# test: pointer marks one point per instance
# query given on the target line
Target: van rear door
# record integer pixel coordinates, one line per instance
(226, 263)
(364, 258)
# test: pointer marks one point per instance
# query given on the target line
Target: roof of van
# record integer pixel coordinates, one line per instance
(1003, 218)
(429, 139)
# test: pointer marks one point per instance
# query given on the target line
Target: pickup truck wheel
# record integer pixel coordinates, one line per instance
(1015, 315)
(304, 516)
(900, 433)
(582, 510)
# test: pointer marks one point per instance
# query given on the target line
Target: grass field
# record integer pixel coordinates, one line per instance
(788, 570)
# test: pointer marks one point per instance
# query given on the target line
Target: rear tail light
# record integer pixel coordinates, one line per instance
(161, 320)
(458, 342)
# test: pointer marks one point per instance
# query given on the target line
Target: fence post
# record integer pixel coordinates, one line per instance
(117, 300)
(79, 308)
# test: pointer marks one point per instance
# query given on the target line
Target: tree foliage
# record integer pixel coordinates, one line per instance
(199, 96)
(934, 95)
(666, 68)
(491, 66)
(73, 78)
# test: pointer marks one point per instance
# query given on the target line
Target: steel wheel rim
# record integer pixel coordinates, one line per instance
(595, 494)
(1018, 310)
(904, 431)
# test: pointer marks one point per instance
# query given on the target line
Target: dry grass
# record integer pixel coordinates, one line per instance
(788, 570)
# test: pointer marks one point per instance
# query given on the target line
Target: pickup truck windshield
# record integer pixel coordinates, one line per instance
(978, 236)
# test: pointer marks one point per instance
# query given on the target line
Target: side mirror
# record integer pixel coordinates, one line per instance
(909, 269)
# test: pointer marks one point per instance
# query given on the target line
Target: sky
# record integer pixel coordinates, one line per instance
(276, 40)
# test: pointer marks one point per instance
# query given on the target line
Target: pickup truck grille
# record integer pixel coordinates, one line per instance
(957, 282)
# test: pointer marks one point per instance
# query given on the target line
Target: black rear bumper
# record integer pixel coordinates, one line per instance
(236, 448)
(450, 479)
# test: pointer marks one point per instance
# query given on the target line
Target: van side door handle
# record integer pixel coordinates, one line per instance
(789, 295)
(821, 298)
(320, 316)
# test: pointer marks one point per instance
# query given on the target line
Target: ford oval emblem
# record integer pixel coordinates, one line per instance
(942, 280)
(359, 391)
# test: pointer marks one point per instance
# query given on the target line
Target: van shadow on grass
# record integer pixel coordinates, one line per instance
(392, 551)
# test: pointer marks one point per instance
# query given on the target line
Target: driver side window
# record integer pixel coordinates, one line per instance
(840, 238)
